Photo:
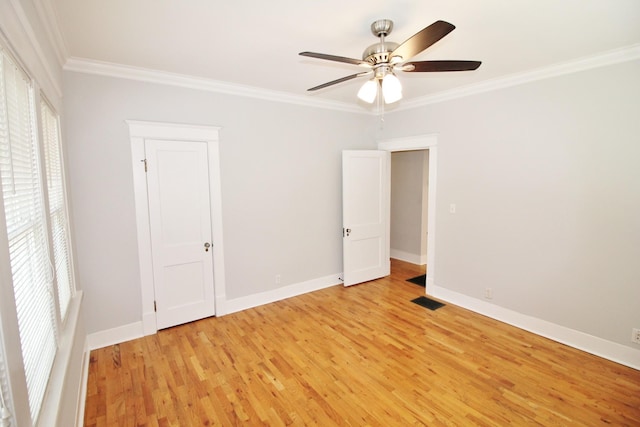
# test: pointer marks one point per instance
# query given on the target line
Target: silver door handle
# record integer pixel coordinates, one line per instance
(207, 245)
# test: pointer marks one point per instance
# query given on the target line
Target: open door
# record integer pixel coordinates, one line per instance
(365, 215)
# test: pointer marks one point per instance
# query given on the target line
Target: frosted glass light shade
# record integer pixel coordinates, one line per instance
(391, 89)
(368, 91)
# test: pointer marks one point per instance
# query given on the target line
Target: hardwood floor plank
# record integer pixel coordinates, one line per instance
(357, 356)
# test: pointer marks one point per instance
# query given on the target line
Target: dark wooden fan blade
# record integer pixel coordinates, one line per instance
(435, 66)
(423, 39)
(333, 82)
(336, 58)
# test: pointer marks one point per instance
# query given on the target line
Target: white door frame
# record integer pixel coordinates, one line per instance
(139, 131)
(423, 142)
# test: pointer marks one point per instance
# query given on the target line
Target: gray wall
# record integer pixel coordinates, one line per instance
(544, 177)
(281, 187)
(409, 172)
(546, 181)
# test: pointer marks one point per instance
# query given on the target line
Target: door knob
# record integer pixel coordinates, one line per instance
(207, 245)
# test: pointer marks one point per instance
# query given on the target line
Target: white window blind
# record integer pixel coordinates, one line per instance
(57, 206)
(25, 221)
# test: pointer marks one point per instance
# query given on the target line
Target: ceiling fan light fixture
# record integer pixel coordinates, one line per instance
(368, 91)
(391, 88)
(384, 58)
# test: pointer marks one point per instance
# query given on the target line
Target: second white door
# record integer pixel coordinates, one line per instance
(365, 211)
(180, 223)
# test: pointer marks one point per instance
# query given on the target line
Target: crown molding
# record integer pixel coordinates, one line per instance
(47, 13)
(88, 66)
(37, 47)
(615, 56)
(172, 79)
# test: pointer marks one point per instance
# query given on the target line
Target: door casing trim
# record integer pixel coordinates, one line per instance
(139, 131)
(423, 142)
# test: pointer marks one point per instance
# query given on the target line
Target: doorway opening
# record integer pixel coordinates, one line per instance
(427, 144)
(408, 221)
(409, 205)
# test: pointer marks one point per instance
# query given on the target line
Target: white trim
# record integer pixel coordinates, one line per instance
(162, 130)
(37, 47)
(139, 131)
(143, 237)
(209, 85)
(136, 330)
(419, 142)
(423, 142)
(82, 391)
(285, 292)
(81, 65)
(114, 336)
(66, 343)
(49, 18)
(609, 350)
(615, 56)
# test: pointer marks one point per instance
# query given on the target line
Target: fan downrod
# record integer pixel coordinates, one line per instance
(379, 53)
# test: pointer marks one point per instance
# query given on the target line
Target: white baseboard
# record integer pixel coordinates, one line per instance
(243, 303)
(606, 349)
(149, 325)
(115, 336)
(145, 327)
(408, 257)
(221, 305)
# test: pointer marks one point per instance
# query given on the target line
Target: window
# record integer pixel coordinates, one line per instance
(57, 208)
(26, 223)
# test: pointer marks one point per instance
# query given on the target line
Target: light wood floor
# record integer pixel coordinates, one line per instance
(357, 356)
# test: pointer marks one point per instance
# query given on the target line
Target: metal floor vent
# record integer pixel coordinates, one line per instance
(427, 303)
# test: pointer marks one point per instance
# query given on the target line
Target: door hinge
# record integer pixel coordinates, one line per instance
(145, 164)
(155, 307)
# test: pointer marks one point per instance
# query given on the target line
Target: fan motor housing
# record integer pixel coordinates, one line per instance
(379, 52)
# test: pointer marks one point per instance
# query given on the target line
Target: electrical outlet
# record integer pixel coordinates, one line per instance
(278, 279)
(488, 293)
(635, 335)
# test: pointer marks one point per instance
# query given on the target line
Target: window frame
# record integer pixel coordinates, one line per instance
(12, 370)
(62, 209)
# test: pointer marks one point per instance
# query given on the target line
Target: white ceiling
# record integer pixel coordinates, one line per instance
(256, 42)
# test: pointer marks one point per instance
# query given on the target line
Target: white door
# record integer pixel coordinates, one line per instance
(180, 223)
(365, 215)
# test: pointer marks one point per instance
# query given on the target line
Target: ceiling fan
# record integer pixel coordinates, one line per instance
(382, 59)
